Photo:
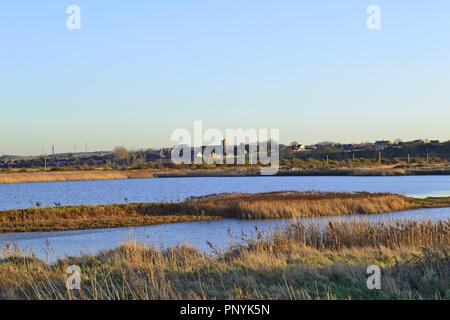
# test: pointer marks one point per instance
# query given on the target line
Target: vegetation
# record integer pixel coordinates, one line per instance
(294, 167)
(79, 175)
(298, 262)
(401, 158)
(275, 205)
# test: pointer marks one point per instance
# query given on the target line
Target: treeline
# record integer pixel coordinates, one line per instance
(321, 156)
(396, 153)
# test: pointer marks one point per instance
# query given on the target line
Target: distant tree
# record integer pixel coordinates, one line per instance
(134, 156)
(121, 153)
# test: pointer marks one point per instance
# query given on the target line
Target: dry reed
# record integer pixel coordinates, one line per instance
(298, 263)
(275, 205)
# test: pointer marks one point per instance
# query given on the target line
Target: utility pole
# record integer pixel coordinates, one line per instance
(379, 157)
(409, 158)
(353, 161)
(45, 162)
(327, 160)
(428, 157)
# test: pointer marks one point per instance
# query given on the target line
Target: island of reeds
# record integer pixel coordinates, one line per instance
(275, 205)
(297, 262)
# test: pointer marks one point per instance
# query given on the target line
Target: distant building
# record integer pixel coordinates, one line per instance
(346, 147)
(418, 142)
(298, 147)
(53, 149)
(382, 144)
(224, 146)
(325, 144)
(212, 156)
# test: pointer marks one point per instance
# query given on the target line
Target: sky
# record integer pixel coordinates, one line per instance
(138, 70)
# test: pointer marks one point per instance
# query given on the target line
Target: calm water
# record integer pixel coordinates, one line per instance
(74, 243)
(197, 233)
(17, 196)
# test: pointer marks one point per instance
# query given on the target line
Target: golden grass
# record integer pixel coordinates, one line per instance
(297, 263)
(292, 204)
(34, 176)
(275, 205)
(361, 234)
(40, 176)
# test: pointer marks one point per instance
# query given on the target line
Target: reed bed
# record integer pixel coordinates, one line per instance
(292, 204)
(299, 262)
(40, 176)
(275, 205)
(362, 234)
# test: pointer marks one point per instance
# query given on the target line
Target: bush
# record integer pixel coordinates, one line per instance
(62, 169)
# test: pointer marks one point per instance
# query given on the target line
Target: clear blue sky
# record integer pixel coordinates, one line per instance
(137, 70)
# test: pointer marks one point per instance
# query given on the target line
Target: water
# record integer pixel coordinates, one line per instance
(18, 196)
(73, 243)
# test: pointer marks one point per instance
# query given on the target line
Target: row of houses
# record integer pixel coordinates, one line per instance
(377, 145)
(383, 144)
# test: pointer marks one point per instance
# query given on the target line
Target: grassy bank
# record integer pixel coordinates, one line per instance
(34, 176)
(61, 176)
(274, 205)
(296, 263)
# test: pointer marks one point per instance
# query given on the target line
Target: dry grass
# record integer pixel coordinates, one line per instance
(274, 205)
(297, 263)
(34, 176)
(292, 204)
(40, 176)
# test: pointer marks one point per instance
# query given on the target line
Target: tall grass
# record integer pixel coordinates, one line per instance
(297, 263)
(362, 234)
(292, 204)
(275, 205)
(56, 176)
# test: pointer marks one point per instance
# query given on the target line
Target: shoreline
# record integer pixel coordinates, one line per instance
(102, 175)
(262, 206)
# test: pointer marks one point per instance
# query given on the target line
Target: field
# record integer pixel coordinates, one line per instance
(298, 262)
(274, 205)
